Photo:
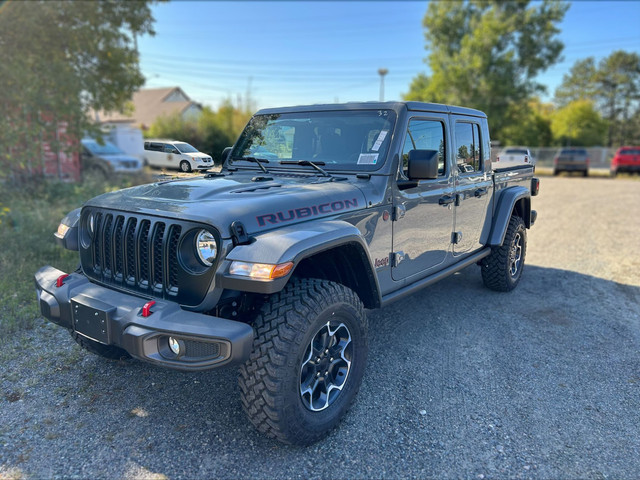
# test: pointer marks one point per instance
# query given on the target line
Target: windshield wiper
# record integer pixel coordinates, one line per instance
(307, 163)
(259, 161)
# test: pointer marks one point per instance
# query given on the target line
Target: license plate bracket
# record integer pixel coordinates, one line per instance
(91, 318)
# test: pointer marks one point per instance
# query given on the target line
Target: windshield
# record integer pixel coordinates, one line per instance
(518, 151)
(341, 140)
(96, 149)
(185, 148)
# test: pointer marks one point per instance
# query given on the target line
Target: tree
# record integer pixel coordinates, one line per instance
(487, 54)
(618, 80)
(578, 84)
(530, 124)
(60, 59)
(614, 85)
(578, 123)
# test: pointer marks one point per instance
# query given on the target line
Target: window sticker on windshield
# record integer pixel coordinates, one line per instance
(368, 159)
(381, 137)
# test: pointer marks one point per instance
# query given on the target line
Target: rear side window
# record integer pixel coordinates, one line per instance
(630, 151)
(424, 135)
(468, 150)
(154, 147)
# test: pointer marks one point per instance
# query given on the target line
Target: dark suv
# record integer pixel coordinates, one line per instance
(571, 160)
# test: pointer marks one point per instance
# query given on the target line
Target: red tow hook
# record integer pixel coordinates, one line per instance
(146, 309)
(60, 280)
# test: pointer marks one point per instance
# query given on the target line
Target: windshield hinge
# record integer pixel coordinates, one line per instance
(239, 234)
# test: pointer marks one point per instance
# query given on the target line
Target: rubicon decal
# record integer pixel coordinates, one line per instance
(305, 212)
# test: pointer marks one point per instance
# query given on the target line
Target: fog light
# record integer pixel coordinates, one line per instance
(174, 345)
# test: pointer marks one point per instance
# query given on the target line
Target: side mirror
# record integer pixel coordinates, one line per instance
(225, 154)
(423, 164)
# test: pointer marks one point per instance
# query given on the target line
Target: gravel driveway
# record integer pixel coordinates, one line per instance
(462, 382)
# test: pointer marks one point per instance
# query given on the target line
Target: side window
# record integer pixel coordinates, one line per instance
(170, 149)
(424, 135)
(146, 146)
(155, 147)
(468, 152)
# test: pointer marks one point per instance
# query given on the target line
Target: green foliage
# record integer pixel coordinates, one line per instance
(578, 123)
(59, 60)
(29, 216)
(529, 124)
(486, 54)
(211, 132)
(578, 84)
(614, 86)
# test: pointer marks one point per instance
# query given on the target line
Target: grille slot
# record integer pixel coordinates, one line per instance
(143, 242)
(156, 253)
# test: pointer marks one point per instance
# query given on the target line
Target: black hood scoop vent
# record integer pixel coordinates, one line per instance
(257, 188)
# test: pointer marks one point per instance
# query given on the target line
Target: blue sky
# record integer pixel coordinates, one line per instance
(287, 52)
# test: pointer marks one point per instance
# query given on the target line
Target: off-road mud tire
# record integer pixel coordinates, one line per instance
(271, 381)
(498, 268)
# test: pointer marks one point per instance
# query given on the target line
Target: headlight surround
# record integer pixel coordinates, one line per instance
(206, 247)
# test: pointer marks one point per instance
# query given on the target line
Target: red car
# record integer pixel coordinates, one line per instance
(626, 159)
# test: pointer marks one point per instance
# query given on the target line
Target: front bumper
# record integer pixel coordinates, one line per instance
(115, 318)
(571, 167)
(625, 169)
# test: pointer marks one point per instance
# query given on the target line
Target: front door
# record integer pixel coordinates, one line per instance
(423, 212)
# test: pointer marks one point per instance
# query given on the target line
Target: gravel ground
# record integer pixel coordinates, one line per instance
(462, 382)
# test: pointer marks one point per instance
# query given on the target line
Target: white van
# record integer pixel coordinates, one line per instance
(174, 154)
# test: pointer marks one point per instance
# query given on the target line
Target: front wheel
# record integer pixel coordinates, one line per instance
(185, 166)
(502, 269)
(309, 355)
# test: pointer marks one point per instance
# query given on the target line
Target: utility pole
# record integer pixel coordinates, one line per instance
(382, 72)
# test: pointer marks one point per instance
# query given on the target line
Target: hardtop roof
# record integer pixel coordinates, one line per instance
(396, 106)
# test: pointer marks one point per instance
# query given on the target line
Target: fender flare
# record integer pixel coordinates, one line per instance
(509, 198)
(294, 243)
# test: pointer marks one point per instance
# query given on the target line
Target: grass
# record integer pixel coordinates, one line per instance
(29, 215)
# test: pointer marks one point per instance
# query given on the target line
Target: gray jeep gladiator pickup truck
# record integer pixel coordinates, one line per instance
(318, 213)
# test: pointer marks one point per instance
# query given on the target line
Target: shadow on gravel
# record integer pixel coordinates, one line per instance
(543, 382)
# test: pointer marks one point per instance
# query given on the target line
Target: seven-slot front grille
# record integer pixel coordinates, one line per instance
(141, 253)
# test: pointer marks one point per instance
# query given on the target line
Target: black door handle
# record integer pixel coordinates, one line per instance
(447, 200)
(480, 192)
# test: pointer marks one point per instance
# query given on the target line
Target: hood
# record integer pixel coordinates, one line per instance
(260, 203)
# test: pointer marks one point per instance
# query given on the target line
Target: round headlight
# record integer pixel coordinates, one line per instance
(206, 247)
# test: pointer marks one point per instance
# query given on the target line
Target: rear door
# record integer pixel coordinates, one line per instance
(154, 153)
(473, 185)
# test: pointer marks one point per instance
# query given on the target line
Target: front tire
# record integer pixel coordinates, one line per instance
(502, 269)
(309, 355)
(185, 166)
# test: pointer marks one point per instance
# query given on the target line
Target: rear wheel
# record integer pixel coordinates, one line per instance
(185, 166)
(502, 269)
(308, 359)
